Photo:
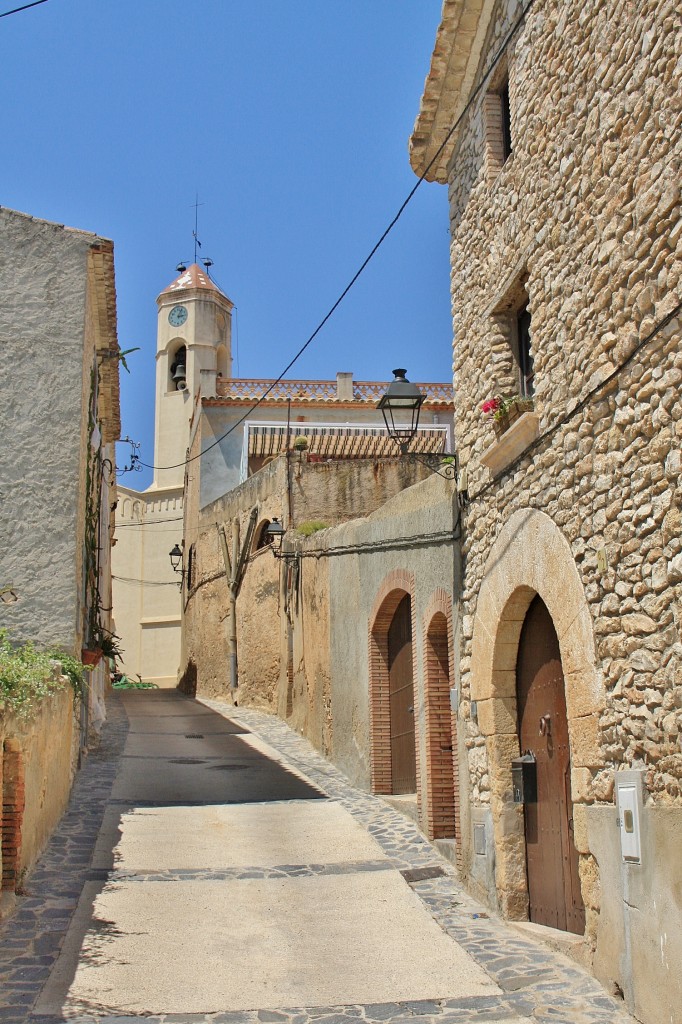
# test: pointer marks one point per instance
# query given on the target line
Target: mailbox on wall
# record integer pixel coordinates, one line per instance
(524, 779)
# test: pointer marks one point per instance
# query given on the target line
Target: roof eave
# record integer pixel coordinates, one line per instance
(451, 78)
(102, 278)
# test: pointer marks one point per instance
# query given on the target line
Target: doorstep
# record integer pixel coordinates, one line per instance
(568, 943)
(406, 804)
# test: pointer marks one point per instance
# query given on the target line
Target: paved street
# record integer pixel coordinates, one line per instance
(213, 868)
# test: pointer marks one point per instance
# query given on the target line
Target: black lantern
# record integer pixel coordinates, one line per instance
(275, 531)
(176, 558)
(401, 400)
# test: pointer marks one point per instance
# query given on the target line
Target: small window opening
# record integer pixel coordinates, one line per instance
(506, 122)
(262, 538)
(523, 354)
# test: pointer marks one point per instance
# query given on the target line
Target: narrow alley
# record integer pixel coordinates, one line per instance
(212, 867)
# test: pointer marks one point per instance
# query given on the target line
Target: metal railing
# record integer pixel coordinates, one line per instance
(243, 390)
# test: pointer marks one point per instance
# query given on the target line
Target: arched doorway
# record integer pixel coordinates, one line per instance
(441, 798)
(554, 892)
(395, 592)
(401, 700)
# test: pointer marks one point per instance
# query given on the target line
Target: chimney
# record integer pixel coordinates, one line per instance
(344, 387)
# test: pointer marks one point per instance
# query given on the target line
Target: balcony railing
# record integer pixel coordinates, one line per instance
(323, 391)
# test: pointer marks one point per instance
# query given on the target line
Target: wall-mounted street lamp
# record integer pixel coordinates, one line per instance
(275, 533)
(176, 561)
(403, 399)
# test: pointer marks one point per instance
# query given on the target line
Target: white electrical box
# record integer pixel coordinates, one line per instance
(628, 800)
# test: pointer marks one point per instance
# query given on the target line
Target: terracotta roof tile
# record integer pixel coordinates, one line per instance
(194, 277)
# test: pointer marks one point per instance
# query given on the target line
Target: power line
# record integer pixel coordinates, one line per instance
(149, 522)
(16, 10)
(498, 56)
(145, 583)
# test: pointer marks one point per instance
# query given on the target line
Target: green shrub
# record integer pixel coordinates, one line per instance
(312, 526)
(27, 675)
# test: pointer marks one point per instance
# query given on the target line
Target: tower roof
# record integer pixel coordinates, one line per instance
(194, 277)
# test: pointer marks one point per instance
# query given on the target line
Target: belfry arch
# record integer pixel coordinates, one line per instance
(531, 557)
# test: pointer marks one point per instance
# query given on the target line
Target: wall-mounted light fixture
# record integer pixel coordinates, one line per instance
(275, 533)
(176, 561)
(403, 399)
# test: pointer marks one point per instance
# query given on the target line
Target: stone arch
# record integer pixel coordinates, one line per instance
(530, 556)
(260, 536)
(442, 764)
(391, 592)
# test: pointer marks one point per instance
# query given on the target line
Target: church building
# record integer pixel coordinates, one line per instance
(234, 427)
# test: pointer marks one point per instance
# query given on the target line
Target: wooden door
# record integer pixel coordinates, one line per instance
(551, 856)
(401, 697)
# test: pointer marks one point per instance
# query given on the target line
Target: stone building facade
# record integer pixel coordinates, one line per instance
(563, 174)
(314, 620)
(235, 427)
(60, 420)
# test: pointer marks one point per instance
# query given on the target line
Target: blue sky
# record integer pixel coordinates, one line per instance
(290, 118)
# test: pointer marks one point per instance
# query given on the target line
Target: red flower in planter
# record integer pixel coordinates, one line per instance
(492, 406)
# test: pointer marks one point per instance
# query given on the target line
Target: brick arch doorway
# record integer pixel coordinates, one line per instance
(442, 796)
(554, 894)
(392, 674)
(401, 700)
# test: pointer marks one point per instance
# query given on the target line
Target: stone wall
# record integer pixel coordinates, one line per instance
(348, 576)
(42, 329)
(583, 222)
(36, 770)
(296, 492)
(60, 402)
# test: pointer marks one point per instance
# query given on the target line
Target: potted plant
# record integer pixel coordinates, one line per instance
(91, 656)
(103, 644)
(503, 410)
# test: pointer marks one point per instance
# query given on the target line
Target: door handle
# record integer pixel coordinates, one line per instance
(546, 725)
(410, 710)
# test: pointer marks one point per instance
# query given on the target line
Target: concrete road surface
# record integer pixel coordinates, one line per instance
(177, 929)
(230, 882)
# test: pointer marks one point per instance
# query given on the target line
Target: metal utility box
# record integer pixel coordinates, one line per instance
(524, 779)
(629, 803)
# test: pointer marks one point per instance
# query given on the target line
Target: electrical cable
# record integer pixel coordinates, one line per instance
(145, 583)
(474, 96)
(150, 522)
(36, 3)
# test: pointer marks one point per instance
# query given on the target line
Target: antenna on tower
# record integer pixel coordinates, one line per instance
(197, 243)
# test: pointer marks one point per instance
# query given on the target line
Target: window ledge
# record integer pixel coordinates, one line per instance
(513, 442)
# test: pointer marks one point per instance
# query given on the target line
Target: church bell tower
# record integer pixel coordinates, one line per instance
(193, 349)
